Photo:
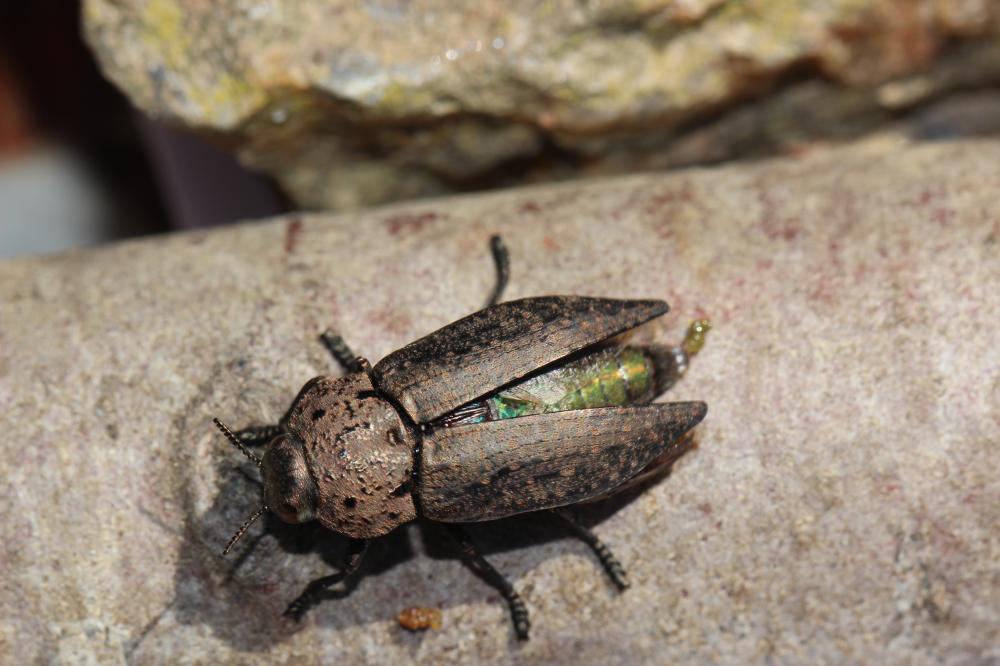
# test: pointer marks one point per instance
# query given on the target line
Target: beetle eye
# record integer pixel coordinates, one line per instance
(288, 488)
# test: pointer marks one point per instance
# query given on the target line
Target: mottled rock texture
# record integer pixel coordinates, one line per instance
(842, 507)
(349, 103)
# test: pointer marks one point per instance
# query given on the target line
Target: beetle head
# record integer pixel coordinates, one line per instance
(289, 490)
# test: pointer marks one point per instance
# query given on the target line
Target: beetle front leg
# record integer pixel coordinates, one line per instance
(311, 595)
(257, 435)
(608, 560)
(475, 560)
(347, 359)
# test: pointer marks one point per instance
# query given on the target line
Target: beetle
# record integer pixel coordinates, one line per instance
(525, 405)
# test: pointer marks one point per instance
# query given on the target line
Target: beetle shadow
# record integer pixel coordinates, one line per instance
(242, 597)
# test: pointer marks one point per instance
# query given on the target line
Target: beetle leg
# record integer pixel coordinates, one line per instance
(475, 560)
(502, 260)
(257, 435)
(608, 560)
(311, 595)
(335, 344)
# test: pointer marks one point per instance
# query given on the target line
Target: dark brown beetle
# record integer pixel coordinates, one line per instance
(522, 406)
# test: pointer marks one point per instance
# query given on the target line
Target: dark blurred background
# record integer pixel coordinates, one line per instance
(80, 166)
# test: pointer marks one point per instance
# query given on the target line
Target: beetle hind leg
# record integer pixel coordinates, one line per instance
(314, 590)
(501, 257)
(475, 560)
(614, 568)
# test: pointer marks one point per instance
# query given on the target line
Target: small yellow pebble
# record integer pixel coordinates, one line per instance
(419, 619)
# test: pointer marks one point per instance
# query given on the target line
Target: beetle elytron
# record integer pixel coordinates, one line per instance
(522, 406)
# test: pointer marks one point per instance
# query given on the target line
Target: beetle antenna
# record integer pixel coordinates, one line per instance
(235, 441)
(244, 527)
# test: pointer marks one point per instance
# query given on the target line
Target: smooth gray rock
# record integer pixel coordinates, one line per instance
(842, 507)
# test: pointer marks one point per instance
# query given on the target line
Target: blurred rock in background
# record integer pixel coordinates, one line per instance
(352, 104)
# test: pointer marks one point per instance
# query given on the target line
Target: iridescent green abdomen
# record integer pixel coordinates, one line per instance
(614, 376)
(610, 376)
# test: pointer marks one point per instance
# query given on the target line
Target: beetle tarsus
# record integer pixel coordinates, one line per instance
(470, 553)
(341, 352)
(314, 590)
(501, 257)
(614, 568)
(257, 435)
